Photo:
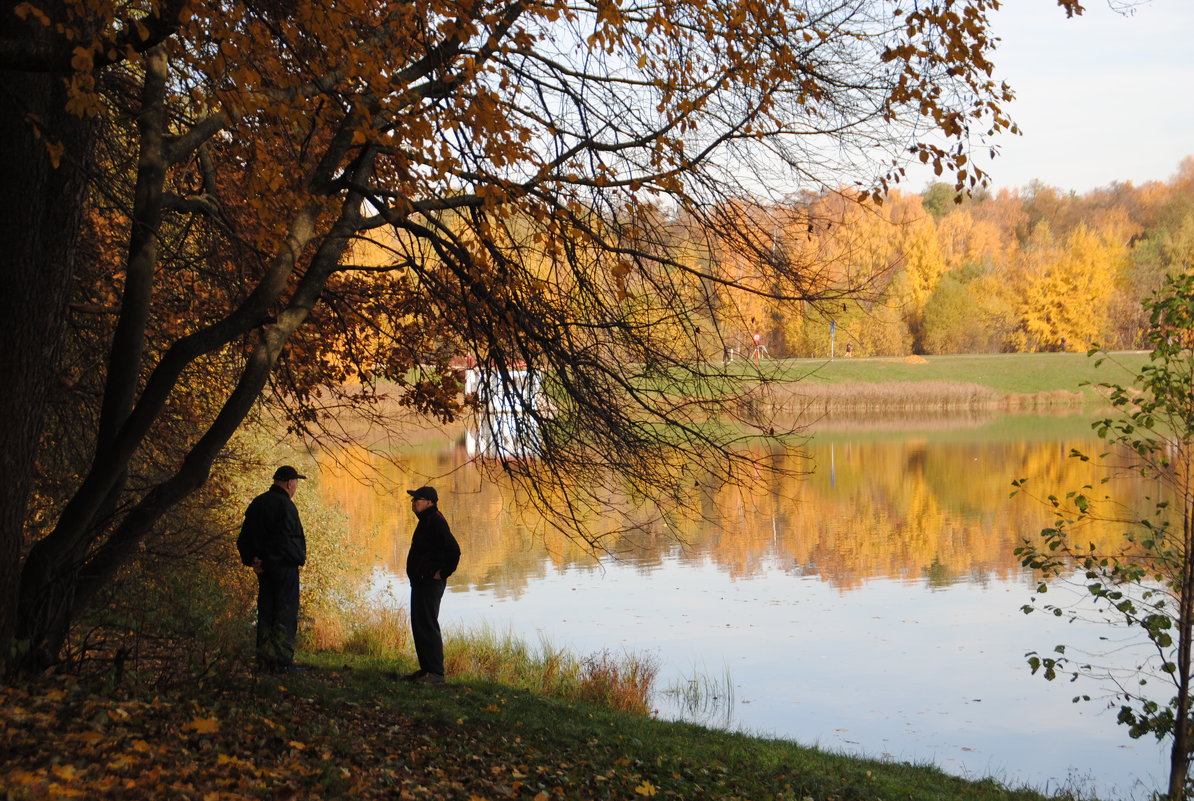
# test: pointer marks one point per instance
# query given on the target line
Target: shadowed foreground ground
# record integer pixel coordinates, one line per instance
(350, 732)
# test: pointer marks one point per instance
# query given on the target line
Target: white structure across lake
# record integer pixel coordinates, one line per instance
(509, 407)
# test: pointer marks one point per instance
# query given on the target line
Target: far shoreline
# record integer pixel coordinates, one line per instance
(883, 391)
(1003, 381)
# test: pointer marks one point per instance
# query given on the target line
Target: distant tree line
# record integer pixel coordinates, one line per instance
(1025, 270)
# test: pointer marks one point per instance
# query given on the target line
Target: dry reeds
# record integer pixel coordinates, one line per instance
(622, 682)
(381, 630)
(853, 397)
(1037, 401)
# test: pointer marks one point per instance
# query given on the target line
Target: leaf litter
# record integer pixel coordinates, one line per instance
(248, 739)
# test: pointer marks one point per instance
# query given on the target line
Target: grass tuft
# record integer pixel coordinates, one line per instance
(621, 682)
(624, 682)
(704, 699)
(381, 630)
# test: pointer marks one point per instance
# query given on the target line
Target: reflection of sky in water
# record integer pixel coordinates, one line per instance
(892, 668)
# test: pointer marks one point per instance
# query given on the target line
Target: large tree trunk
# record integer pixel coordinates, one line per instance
(66, 568)
(43, 164)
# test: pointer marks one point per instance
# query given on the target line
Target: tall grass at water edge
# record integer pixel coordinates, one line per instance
(624, 682)
(703, 699)
(856, 397)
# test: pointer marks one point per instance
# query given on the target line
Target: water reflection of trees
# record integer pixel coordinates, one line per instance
(907, 509)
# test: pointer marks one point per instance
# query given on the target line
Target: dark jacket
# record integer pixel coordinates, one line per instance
(432, 547)
(272, 531)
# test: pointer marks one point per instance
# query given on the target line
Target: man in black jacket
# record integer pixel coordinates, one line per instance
(271, 541)
(433, 556)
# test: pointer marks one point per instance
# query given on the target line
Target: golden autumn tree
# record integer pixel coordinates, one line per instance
(969, 243)
(920, 262)
(853, 248)
(1064, 287)
(491, 138)
(971, 309)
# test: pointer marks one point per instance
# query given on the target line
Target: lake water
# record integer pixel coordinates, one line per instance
(872, 607)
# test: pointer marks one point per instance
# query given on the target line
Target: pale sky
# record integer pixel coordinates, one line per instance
(1100, 98)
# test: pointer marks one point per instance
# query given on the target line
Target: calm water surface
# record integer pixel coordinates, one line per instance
(871, 608)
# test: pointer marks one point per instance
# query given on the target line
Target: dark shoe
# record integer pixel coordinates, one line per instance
(429, 678)
(417, 675)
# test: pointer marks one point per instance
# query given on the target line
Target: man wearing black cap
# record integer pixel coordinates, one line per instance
(433, 556)
(271, 541)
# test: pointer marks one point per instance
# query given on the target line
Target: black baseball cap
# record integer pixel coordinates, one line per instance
(286, 473)
(424, 494)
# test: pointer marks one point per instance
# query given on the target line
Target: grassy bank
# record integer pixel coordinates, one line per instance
(382, 633)
(811, 387)
(343, 729)
(1010, 380)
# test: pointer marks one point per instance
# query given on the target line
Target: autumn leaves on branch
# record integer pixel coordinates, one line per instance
(531, 165)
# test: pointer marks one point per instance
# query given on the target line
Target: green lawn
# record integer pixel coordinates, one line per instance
(1006, 373)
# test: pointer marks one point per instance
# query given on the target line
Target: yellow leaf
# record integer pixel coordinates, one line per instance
(141, 746)
(64, 772)
(121, 762)
(19, 776)
(646, 789)
(542, 796)
(204, 725)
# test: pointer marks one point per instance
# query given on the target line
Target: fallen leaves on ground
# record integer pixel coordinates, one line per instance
(253, 740)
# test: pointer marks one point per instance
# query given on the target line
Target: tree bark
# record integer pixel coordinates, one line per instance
(44, 161)
(66, 568)
(128, 342)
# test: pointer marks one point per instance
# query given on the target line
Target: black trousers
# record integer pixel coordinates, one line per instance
(277, 617)
(425, 597)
